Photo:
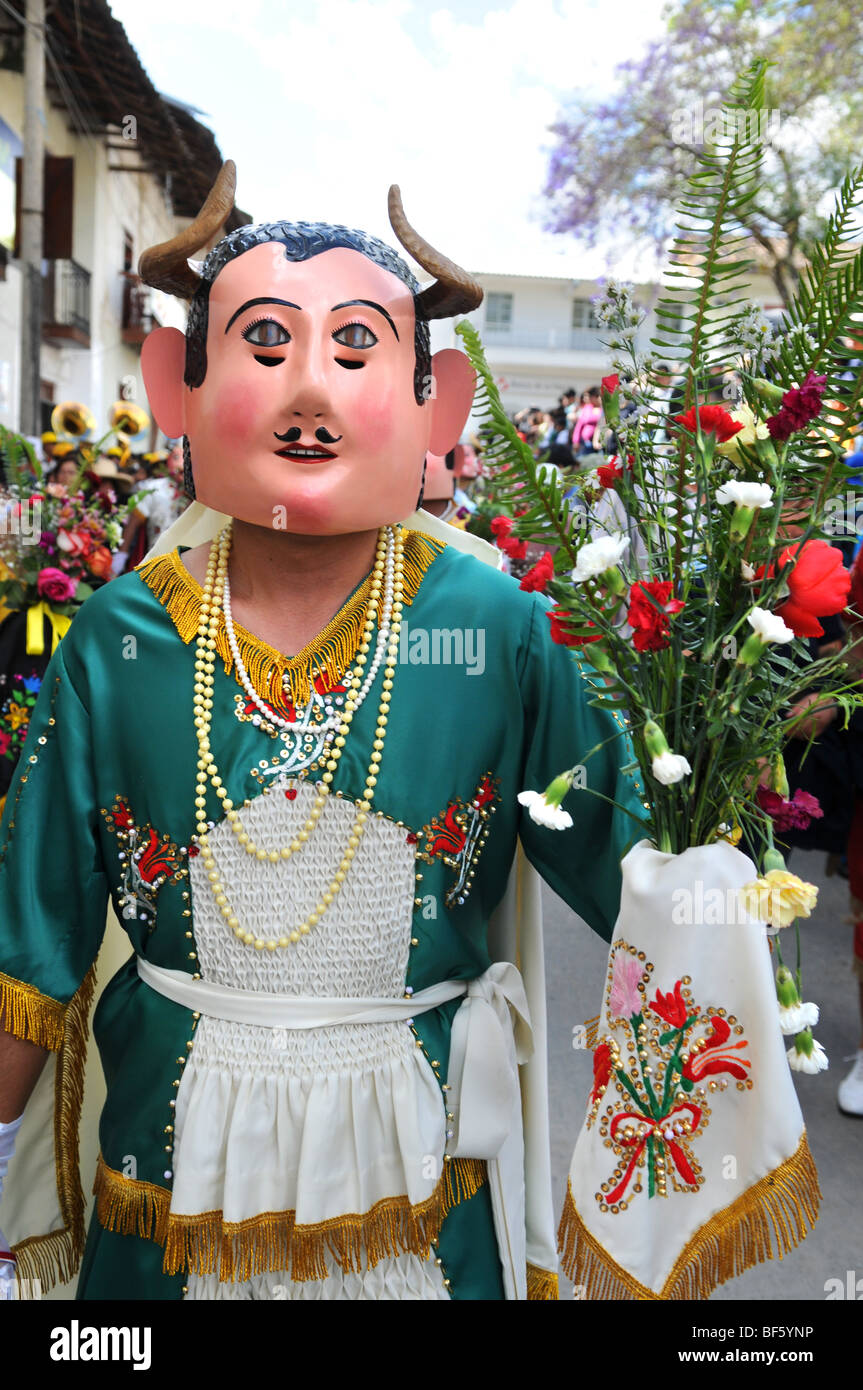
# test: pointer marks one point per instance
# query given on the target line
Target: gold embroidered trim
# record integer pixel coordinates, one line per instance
(769, 1217)
(542, 1285)
(272, 1241)
(30, 1014)
(55, 1257)
(332, 650)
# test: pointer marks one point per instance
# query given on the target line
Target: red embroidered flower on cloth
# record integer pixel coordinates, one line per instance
(713, 420)
(485, 792)
(799, 405)
(818, 584)
(538, 576)
(602, 1069)
(713, 1057)
(449, 836)
(671, 1007)
(156, 858)
(650, 608)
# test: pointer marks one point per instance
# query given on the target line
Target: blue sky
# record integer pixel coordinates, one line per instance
(323, 105)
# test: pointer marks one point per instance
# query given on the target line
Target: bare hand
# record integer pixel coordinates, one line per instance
(821, 714)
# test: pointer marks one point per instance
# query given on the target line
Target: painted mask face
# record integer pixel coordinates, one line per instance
(307, 419)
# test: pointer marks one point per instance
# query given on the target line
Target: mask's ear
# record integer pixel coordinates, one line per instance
(454, 383)
(163, 362)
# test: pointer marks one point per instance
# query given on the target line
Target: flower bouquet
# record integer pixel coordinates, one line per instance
(687, 578)
(57, 543)
(57, 540)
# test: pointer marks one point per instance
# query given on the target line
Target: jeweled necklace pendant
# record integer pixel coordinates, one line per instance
(312, 732)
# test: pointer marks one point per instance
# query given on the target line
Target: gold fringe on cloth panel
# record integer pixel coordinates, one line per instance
(542, 1285)
(769, 1218)
(31, 1015)
(272, 1241)
(331, 651)
(55, 1257)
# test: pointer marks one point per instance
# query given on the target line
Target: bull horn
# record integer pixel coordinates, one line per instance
(166, 266)
(453, 290)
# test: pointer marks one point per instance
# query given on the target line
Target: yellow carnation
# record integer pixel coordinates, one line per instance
(753, 429)
(778, 897)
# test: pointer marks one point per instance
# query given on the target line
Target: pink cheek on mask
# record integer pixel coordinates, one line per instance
(236, 412)
(375, 422)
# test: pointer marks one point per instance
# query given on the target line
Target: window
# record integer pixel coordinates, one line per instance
(498, 312)
(583, 315)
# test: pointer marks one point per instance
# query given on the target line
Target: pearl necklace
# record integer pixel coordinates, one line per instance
(334, 719)
(217, 567)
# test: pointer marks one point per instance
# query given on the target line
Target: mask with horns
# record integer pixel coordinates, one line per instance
(304, 387)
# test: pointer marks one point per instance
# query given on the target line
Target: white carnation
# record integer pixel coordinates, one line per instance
(818, 1061)
(769, 626)
(599, 555)
(745, 494)
(552, 817)
(793, 1018)
(669, 767)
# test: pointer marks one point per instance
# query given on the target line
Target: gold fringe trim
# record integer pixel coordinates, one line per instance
(541, 1285)
(332, 650)
(31, 1015)
(769, 1217)
(273, 1242)
(56, 1257)
(592, 1035)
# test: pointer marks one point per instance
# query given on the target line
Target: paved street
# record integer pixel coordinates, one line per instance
(575, 964)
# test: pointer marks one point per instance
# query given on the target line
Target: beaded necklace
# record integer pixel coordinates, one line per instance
(388, 573)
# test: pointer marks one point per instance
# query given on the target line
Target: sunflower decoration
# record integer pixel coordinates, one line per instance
(128, 421)
(73, 420)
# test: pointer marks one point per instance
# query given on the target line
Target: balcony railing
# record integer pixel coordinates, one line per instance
(525, 335)
(66, 304)
(138, 318)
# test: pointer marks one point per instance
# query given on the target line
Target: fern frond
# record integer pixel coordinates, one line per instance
(547, 516)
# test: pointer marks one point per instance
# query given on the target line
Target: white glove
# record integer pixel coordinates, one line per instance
(118, 564)
(7, 1259)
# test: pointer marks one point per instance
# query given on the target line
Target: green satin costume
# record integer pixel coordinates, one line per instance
(114, 719)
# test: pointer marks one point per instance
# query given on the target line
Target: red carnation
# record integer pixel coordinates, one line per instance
(713, 419)
(561, 629)
(536, 578)
(795, 814)
(799, 405)
(650, 606)
(501, 527)
(609, 384)
(818, 585)
(610, 473)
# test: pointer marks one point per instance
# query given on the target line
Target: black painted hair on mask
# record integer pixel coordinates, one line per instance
(301, 241)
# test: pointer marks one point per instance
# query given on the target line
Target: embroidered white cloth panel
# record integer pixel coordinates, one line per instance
(327, 1121)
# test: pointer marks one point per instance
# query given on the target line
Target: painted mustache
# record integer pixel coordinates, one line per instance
(321, 434)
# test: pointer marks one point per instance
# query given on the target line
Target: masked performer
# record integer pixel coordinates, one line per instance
(313, 1055)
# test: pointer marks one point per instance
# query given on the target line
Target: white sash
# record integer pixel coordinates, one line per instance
(491, 1036)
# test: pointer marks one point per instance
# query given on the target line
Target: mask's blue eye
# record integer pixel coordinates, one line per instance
(355, 335)
(267, 333)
